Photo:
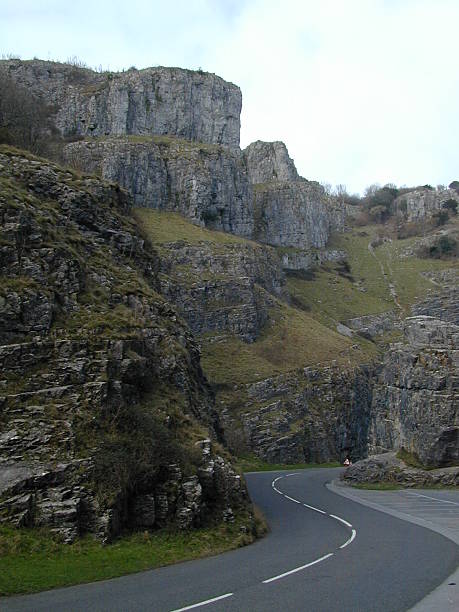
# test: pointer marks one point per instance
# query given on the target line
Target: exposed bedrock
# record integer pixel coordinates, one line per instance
(269, 162)
(225, 288)
(416, 397)
(423, 203)
(105, 415)
(316, 414)
(289, 210)
(208, 184)
(193, 105)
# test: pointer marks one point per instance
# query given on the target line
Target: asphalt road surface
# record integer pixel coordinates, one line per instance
(324, 553)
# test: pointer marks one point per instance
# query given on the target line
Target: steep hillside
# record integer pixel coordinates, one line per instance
(106, 417)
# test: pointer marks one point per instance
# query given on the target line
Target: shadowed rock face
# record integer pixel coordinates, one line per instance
(416, 397)
(196, 106)
(97, 369)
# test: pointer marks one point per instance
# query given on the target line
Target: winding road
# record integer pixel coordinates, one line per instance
(324, 553)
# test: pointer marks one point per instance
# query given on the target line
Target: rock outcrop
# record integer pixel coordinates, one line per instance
(316, 414)
(416, 396)
(269, 162)
(222, 288)
(192, 105)
(387, 468)
(289, 210)
(103, 404)
(422, 203)
(208, 184)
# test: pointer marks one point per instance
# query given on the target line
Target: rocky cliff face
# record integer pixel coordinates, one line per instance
(196, 106)
(269, 162)
(316, 414)
(208, 184)
(104, 411)
(416, 396)
(289, 210)
(222, 288)
(422, 203)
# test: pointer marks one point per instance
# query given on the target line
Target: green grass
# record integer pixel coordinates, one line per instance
(162, 227)
(254, 464)
(377, 486)
(331, 297)
(32, 560)
(291, 340)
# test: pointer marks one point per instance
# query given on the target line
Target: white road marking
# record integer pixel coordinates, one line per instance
(340, 520)
(291, 499)
(287, 475)
(354, 533)
(203, 603)
(298, 569)
(444, 501)
(315, 509)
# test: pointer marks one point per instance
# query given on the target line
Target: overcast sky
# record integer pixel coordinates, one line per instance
(361, 91)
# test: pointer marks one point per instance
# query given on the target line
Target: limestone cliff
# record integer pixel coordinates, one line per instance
(193, 105)
(289, 210)
(208, 184)
(416, 396)
(422, 203)
(105, 415)
(269, 161)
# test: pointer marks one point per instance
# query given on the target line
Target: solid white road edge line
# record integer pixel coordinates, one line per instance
(315, 509)
(350, 539)
(340, 520)
(203, 603)
(444, 501)
(298, 569)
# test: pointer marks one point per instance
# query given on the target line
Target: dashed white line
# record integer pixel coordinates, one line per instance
(291, 499)
(350, 539)
(340, 520)
(297, 569)
(203, 603)
(315, 509)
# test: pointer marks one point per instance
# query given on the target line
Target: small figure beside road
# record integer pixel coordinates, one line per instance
(347, 462)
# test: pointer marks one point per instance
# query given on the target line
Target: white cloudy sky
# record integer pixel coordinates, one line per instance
(361, 91)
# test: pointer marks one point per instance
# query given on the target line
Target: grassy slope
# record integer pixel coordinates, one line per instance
(32, 560)
(332, 297)
(292, 339)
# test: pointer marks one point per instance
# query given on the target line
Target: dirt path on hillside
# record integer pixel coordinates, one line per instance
(388, 277)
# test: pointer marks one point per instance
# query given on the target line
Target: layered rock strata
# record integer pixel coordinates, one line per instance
(196, 106)
(103, 404)
(208, 184)
(416, 397)
(317, 414)
(222, 288)
(289, 210)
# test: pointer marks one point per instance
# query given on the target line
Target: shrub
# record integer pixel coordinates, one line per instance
(444, 247)
(450, 205)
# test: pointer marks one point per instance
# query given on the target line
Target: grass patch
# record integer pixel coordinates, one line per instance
(162, 227)
(377, 486)
(332, 296)
(291, 340)
(32, 560)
